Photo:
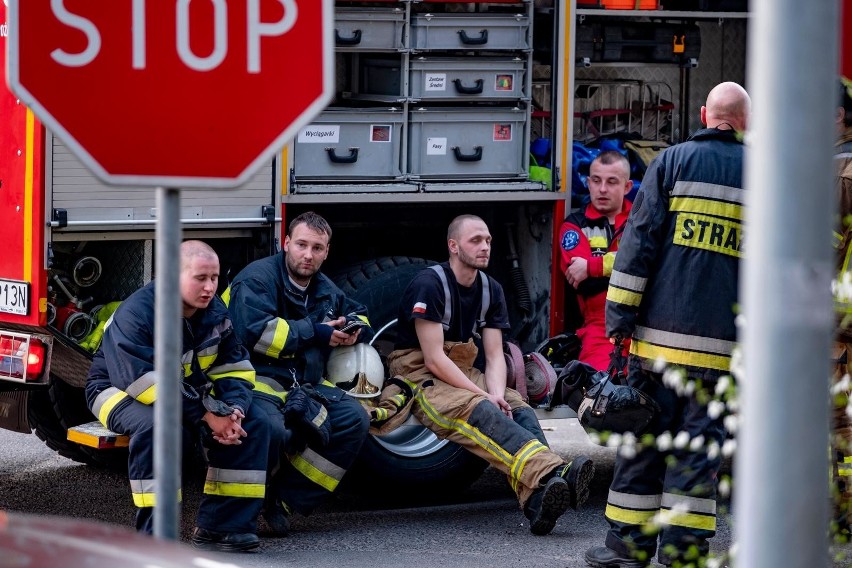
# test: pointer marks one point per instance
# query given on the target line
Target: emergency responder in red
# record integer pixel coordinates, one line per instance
(287, 313)
(589, 239)
(217, 403)
(843, 353)
(450, 349)
(673, 289)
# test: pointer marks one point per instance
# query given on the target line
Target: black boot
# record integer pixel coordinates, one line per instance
(205, 539)
(603, 557)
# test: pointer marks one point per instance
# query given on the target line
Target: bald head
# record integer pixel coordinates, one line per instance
(195, 249)
(728, 105)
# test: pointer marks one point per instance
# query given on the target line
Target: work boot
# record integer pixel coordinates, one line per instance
(277, 518)
(578, 474)
(547, 504)
(604, 557)
(205, 539)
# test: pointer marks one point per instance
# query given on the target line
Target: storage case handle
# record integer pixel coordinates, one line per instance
(476, 89)
(467, 40)
(475, 157)
(355, 39)
(350, 159)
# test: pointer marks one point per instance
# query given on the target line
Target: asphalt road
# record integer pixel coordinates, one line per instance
(481, 528)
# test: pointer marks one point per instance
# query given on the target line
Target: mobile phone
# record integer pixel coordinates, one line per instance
(351, 325)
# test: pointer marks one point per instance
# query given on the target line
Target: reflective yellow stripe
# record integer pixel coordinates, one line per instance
(679, 357)
(620, 296)
(226, 296)
(692, 520)
(245, 375)
(145, 499)
(28, 198)
(310, 471)
(225, 489)
(707, 207)
(363, 319)
(464, 429)
(273, 338)
(708, 233)
(206, 360)
(108, 405)
(628, 516)
(530, 449)
(148, 396)
(598, 241)
(608, 262)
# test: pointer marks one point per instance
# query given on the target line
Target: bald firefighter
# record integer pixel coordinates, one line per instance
(216, 388)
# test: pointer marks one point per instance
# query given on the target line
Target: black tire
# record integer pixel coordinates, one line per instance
(53, 410)
(410, 464)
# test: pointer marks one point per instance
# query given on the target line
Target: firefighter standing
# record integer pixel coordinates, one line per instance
(842, 424)
(446, 319)
(217, 403)
(589, 240)
(287, 314)
(673, 289)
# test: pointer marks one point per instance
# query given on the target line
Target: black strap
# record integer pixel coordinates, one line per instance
(617, 361)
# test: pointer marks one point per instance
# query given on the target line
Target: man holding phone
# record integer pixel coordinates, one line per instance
(290, 317)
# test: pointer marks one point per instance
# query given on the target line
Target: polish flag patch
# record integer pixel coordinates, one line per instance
(419, 308)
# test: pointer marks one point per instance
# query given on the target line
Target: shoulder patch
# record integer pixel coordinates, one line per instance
(570, 239)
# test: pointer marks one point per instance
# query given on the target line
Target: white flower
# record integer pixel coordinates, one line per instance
(733, 405)
(713, 450)
(681, 440)
(737, 364)
(731, 422)
(688, 388)
(595, 438)
(729, 447)
(697, 443)
(613, 441)
(627, 452)
(724, 487)
(715, 409)
(673, 378)
(659, 365)
(722, 385)
(664, 441)
(842, 385)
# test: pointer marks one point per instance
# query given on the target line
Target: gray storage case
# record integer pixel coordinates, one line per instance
(366, 29)
(485, 32)
(351, 144)
(469, 143)
(466, 79)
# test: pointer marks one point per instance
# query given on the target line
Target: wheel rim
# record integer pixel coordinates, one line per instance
(412, 439)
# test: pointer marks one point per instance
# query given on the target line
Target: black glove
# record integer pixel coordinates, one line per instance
(305, 415)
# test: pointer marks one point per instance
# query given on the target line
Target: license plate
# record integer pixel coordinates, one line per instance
(14, 297)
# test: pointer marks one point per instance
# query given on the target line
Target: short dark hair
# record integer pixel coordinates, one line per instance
(456, 225)
(313, 221)
(845, 99)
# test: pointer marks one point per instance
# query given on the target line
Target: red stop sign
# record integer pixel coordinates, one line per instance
(175, 93)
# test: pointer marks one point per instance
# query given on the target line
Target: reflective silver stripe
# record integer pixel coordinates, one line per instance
(141, 384)
(323, 465)
(628, 281)
(685, 342)
(102, 399)
(212, 350)
(693, 504)
(226, 368)
(709, 190)
(631, 501)
(186, 358)
(448, 305)
(267, 338)
(142, 485)
(486, 299)
(236, 475)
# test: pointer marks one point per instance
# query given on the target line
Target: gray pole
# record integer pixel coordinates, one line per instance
(167, 351)
(781, 477)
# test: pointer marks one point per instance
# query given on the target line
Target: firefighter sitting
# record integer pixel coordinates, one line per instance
(589, 239)
(217, 404)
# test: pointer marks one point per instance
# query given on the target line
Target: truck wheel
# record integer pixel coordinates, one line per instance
(410, 463)
(51, 411)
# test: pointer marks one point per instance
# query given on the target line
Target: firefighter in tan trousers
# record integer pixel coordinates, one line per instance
(450, 354)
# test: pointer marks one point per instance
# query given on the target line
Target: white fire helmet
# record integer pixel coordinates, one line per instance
(357, 369)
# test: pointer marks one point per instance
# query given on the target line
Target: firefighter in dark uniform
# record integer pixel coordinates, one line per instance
(217, 403)
(589, 241)
(450, 350)
(287, 314)
(673, 289)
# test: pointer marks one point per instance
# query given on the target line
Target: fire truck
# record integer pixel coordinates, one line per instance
(441, 108)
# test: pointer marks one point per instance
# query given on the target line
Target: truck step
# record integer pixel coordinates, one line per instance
(96, 435)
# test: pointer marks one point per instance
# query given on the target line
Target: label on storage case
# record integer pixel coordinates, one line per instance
(436, 146)
(320, 134)
(435, 82)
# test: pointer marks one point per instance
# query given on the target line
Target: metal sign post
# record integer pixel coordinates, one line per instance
(167, 350)
(781, 468)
